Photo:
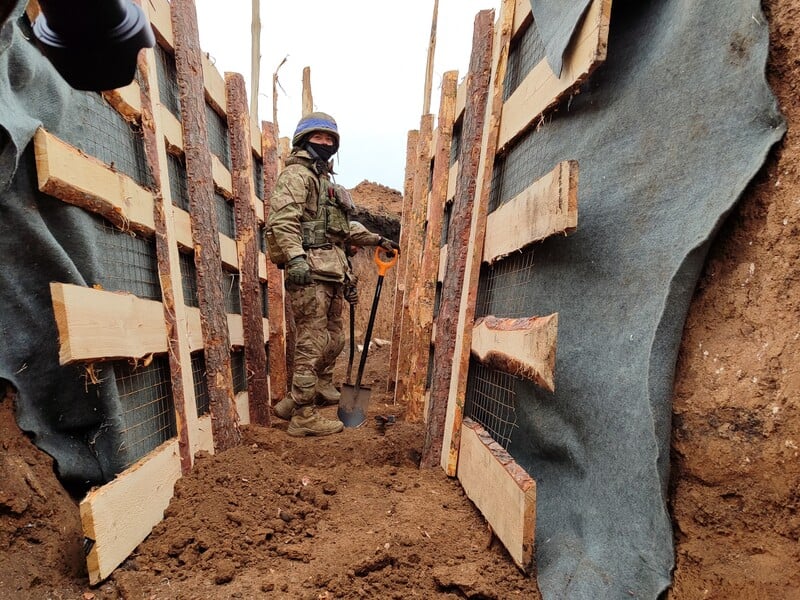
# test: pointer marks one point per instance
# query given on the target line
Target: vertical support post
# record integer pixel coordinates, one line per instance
(278, 378)
(247, 249)
(399, 292)
(474, 254)
(200, 184)
(424, 293)
(308, 98)
(415, 235)
(459, 234)
(426, 102)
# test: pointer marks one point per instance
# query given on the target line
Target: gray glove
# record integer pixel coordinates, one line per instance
(351, 294)
(297, 271)
(389, 245)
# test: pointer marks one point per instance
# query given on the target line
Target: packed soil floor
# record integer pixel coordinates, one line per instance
(352, 515)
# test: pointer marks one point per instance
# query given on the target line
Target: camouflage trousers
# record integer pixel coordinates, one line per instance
(319, 335)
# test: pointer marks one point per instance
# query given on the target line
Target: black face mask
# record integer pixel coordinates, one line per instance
(322, 151)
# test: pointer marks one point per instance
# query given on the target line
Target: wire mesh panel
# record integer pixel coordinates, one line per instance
(200, 382)
(167, 74)
(504, 288)
(491, 401)
(176, 169)
(524, 53)
(189, 280)
(238, 371)
(226, 219)
(447, 215)
(230, 283)
(258, 177)
(264, 300)
(100, 131)
(218, 136)
(130, 263)
(148, 412)
(455, 144)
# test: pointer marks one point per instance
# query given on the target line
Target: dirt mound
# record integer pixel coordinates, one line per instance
(379, 208)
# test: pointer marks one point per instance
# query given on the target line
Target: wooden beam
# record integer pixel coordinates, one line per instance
(414, 239)
(119, 515)
(399, 292)
(158, 12)
(213, 84)
(459, 236)
(68, 174)
(503, 492)
(126, 101)
(171, 127)
(98, 325)
(541, 89)
(221, 175)
(469, 291)
(426, 103)
(247, 245)
(548, 207)
(523, 347)
(191, 65)
(424, 294)
(278, 377)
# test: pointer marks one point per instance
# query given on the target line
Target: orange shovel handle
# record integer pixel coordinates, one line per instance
(384, 266)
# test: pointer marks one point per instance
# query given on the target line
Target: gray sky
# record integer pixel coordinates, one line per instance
(367, 61)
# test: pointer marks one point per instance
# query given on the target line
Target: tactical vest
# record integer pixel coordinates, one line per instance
(331, 224)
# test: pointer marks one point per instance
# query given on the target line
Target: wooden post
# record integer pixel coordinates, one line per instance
(474, 250)
(308, 99)
(459, 233)
(277, 336)
(200, 184)
(399, 292)
(247, 248)
(169, 274)
(255, 56)
(426, 103)
(424, 293)
(415, 234)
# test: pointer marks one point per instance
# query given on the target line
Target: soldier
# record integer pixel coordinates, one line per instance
(308, 231)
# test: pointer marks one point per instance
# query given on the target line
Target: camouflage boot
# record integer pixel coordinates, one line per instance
(306, 420)
(284, 408)
(326, 393)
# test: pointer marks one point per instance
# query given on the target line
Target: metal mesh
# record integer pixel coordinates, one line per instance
(200, 382)
(258, 177)
(490, 400)
(189, 280)
(148, 411)
(524, 53)
(437, 299)
(167, 74)
(262, 238)
(130, 263)
(455, 145)
(446, 216)
(176, 169)
(218, 136)
(238, 371)
(100, 131)
(233, 301)
(498, 177)
(264, 300)
(226, 219)
(504, 288)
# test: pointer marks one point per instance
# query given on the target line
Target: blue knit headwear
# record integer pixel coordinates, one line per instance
(315, 121)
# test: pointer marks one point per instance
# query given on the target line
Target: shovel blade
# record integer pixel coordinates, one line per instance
(353, 405)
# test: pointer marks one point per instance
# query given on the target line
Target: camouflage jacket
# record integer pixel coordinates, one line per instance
(308, 217)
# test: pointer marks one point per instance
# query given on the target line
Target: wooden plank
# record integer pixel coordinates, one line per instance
(214, 85)
(126, 101)
(503, 492)
(278, 376)
(221, 175)
(194, 330)
(541, 89)
(447, 321)
(119, 515)
(523, 347)
(424, 293)
(451, 181)
(413, 248)
(228, 252)
(158, 12)
(95, 324)
(399, 292)
(66, 173)
(547, 207)
(255, 137)
(247, 248)
(191, 65)
(171, 127)
(183, 233)
(307, 95)
(442, 263)
(522, 16)
(236, 329)
(461, 99)
(169, 272)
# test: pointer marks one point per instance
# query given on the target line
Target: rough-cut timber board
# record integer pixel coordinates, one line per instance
(69, 175)
(451, 181)
(126, 100)
(523, 347)
(122, 513)
(95, 324)
(173, 134)
(503, 492)
(541, 88)
(547, 207)
(442, 263)
(221, 175)
(160, 18)
(214, 85)
(183, 234)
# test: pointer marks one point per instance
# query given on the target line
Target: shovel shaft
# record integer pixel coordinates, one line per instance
(352, 343)
(368, 335)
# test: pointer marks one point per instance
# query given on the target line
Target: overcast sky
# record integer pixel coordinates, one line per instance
(367, 61)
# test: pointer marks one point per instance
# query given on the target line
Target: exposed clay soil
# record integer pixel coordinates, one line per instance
(351, 515)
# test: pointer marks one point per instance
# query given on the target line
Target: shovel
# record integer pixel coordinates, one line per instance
(355, 399)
